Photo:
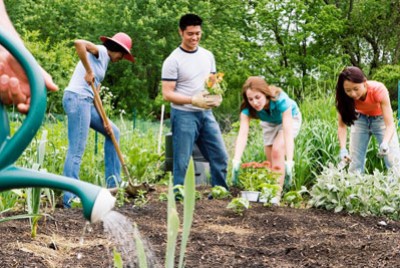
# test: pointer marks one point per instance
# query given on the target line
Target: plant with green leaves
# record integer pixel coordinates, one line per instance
(141, 252)
(120, 197)
(365, 194)
(173, 219)
(33, 196)
(254, 174)
(118, 263)
(268, 191)
(220, 192)
(293, 198)
(239, 205)
(179, 193)
(140, 199)
(173, 222)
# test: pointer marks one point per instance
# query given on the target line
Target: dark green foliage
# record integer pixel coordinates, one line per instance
(298, 45)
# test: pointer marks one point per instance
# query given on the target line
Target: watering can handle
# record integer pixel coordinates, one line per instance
(12, 147)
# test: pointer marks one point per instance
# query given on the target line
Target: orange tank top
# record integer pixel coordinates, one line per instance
(376, 91)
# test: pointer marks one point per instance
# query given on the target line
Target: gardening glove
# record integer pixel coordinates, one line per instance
(215, 100)
(235, 171)
(201, 100)
(289, 166)
(344, 155)
(383, 149)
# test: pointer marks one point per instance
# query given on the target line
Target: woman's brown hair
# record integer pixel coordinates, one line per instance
(257, 83)
(344, 104)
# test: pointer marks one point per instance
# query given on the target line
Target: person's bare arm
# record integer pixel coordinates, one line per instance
(241, 140)
(387, 113)
(82, 47)
(169, 94)
(287, 125)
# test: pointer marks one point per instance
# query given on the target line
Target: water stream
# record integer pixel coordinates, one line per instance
(123, 234)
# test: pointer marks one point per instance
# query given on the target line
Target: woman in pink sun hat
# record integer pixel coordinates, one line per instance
(81, 112)
(119, 40)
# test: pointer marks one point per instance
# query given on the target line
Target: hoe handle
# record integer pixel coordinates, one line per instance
(100, 109)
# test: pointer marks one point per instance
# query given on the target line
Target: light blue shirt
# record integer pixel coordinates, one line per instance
(99, 66)
(276, 108)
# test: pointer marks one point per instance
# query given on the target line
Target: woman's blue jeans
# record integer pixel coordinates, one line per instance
(201, 128)
(360, 134)
(82, 115)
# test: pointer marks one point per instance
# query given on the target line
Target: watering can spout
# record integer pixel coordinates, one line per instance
(96, 201)
(103, 204)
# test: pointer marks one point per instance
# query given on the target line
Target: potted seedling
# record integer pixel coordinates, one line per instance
(253, 176)
(215, 86)
(268, 191)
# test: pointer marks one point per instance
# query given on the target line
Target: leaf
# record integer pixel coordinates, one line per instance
(188, 208)
(172, 227)
(117, 259)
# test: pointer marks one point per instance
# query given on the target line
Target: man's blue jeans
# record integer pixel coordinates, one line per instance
(360, 134)
(201, 128)
(82, 115)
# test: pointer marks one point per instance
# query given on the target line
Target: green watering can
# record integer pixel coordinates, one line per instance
(96, 201)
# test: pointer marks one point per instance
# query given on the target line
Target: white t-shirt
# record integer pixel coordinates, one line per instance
(189, 69)
(99, 66)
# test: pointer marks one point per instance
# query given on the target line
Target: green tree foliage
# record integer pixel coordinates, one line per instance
(298, 45)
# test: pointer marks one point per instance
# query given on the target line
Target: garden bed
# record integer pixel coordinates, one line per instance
(262, 237)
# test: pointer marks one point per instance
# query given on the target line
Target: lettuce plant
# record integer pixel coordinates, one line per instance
(239, 205)
(220, 192)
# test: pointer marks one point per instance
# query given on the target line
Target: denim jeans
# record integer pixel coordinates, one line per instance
(360, 134)
(201, 128)
(82, 115)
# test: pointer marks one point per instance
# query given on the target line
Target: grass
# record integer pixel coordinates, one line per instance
(315, 147)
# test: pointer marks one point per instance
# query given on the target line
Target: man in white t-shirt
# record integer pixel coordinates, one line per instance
(184, 73)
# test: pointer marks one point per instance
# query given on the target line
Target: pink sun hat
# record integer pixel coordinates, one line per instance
(124, 41)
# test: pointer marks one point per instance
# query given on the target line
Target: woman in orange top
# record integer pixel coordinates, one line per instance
(365, 106)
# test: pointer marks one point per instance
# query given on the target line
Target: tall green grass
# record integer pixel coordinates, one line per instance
(138, 145)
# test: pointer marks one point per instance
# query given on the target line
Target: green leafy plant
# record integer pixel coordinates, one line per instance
(239, 205)
(118, 263)
(163, 197)
(189, 194)
(141, 253)
(365, 194)
(120, 197)
(293, 199)
(173, 222)
(268, 191)
(254, 174)
(34, 195)
(179, 192)
(141, 198)
(220, 192)
(215, 84)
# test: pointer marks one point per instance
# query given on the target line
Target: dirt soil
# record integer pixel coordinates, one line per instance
(262, 237)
